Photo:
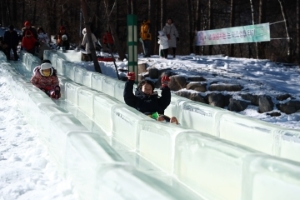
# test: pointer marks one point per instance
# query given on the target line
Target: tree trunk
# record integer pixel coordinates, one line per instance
(209, 25)
(2, 12)
(261, 19)
(150, 17)
(191, 29)
(197, 22)
(113, 31)
(14, 11)
(89, 36)
(8, 15)
(51, 15)
(131, 6)
(34, 12)
(162, 13)
(287, 31)
(232, 19)
(298, 32)
(253, 22)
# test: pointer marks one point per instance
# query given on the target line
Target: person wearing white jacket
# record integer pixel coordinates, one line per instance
(171, 31)
(87, 46)
(163, 44)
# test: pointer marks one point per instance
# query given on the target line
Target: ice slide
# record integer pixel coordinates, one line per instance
(212, 167)
(256, 134)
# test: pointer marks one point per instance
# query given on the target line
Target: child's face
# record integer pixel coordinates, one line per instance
(46, 72)
(147, 89)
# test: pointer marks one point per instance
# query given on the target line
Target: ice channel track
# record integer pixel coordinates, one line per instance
(129, 156)
(213, 167)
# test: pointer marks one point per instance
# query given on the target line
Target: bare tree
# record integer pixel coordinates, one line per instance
(191, 29)
(14, 11)
(89, 36)
(209, 23)
(261, 19)
(298, 32)
(232, 19)
(162, 13)
(253, 22)
(287, 31)
(113, 30)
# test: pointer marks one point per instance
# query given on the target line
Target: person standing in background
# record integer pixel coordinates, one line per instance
(11, 39)
(43, 40)
(163, 44)
(108, 40)
(171, 32)
(29, 38)
(62, 38)
(87, 56)
(146, 37)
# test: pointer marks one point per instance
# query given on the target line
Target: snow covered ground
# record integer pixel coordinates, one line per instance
(27, 173)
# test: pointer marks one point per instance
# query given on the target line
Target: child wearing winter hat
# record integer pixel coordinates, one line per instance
(163, 44)
(45, 78)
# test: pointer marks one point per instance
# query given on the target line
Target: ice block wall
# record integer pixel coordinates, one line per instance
(212, 167)
(95, 168)
(215, 121)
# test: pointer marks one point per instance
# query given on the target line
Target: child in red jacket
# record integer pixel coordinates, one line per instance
(45, 78)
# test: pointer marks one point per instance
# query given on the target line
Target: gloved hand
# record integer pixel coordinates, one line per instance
(165, 81)
(131, 76)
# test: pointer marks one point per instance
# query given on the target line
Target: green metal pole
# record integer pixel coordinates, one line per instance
(132, 42)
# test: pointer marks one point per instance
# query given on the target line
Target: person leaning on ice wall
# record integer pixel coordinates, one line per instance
(146, 100)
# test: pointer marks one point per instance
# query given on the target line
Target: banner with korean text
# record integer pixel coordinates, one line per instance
(239, 34)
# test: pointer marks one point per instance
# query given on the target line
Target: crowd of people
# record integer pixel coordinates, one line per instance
(36, 40)
(45, 78)
(167, 38)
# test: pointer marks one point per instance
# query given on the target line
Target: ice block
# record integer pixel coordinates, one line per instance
(250, 132)
(270, 178)
(201, 117)
(210, 166)
(125, 122)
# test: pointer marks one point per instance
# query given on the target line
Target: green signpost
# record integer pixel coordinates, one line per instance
(132, 42)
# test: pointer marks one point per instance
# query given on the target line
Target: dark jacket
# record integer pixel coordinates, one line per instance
(11, 38)
(146, 104)
(63, 43)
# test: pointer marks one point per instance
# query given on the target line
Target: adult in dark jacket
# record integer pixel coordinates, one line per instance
(146, 100)
(29, 38)
(11, 39)
(63, 38)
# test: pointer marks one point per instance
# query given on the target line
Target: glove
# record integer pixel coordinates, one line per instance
(165, 81)
(177, 38)
(131, 76)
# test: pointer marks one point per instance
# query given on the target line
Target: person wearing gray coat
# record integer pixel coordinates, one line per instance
(171, 32)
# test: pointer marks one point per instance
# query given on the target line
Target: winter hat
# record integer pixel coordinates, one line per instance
(27, 23)
(84, 31)
(64, 37)
(46, 66)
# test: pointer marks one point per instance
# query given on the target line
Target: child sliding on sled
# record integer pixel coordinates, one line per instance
(45, 78)
(146, 100)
